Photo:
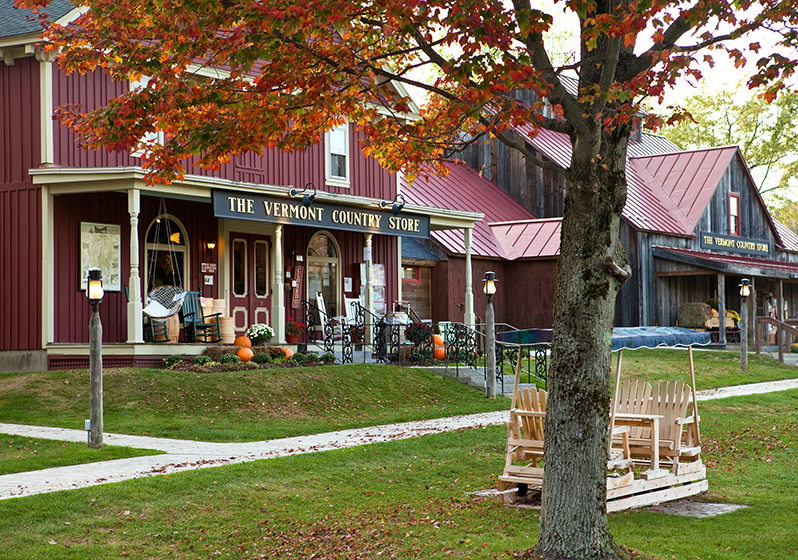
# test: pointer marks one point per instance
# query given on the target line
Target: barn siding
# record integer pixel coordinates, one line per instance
(20, 207)
(20, 266)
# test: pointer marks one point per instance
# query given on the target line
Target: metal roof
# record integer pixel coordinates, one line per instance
(14, 21)
(529, 238)
(465, 189)
(722, 262)
(789, 239)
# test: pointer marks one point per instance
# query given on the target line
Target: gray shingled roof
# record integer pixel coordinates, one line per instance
(15, 22)
(412, 249)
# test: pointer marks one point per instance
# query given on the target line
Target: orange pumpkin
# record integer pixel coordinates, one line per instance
(438, 339)
(440, 353)
(245, 354)
(288, 352)
(243, 342)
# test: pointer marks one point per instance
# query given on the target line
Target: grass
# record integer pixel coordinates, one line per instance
(21, 454)
(410, 499)
(712, 368)
(242, 405)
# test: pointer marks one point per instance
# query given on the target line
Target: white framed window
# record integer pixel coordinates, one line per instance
(336, 144)
(150, 137)
(734, 214)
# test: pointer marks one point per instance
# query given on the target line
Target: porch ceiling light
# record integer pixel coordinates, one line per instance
(307, 199)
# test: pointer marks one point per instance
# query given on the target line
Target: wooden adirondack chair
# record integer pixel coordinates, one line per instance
(197, 326)
(665, 408)
(525, 439)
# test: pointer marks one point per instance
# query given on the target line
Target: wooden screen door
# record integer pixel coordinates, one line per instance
(250, 289)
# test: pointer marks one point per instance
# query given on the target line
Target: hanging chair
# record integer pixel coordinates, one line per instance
(164, 301)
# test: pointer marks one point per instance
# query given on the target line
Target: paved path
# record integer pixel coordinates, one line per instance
(181, 455)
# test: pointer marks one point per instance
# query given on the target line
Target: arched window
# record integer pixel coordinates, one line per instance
(166, 263)
(324, 265)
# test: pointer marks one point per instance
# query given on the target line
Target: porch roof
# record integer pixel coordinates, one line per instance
(733, 264)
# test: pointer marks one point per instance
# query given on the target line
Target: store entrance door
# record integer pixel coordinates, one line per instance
(250, 291)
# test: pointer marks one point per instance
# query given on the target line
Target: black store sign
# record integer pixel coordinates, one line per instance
(719, 242)
(264, 208)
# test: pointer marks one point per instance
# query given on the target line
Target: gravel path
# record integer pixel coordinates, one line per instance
(181, 455)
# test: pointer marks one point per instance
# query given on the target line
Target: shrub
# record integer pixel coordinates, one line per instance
(262, 358)
(311, 357)
(201, 360)
(327, 358)
(172, 360)
(229, 359)
(298, 358)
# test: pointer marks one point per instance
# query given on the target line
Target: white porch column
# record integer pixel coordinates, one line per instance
(278, 292)
(135, 327)
(721, 308)
(48, 268)
(46, 60)
(369, 303)
(469, 318)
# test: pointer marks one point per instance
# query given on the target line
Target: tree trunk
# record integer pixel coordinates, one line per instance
(591, 269)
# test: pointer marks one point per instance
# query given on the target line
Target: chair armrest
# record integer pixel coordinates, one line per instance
(187, 315)
(688, 420)
(212, 316)
(527, 413)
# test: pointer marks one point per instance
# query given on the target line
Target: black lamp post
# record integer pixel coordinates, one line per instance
(490, 289)
(745, 291)
(94, 293)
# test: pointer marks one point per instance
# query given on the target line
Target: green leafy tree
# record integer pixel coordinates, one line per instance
(765, 132)
(291, 69)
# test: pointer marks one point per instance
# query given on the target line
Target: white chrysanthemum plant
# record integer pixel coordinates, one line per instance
(260, 333)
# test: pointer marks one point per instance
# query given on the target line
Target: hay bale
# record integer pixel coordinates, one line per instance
(694, 315)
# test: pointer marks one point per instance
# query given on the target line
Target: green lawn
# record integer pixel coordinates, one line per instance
(410, 499)
(20, 454)
(242, 405)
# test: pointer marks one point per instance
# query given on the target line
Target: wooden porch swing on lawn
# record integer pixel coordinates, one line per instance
(651, 427)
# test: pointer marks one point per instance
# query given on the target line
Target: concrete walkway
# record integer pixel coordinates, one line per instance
(181, 455)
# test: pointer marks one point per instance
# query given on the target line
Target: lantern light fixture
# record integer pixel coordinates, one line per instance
(490, 283)
(210, 245)
(307, 198)
(94, 287)
(745, 287)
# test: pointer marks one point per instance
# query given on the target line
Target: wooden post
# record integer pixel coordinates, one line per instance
(614, 400)
(744, 335)
(721, 308)
(695, 401)
(96, 379)
(779, 316)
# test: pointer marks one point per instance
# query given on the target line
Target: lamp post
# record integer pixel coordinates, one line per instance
(94, 293)
(490, 289)
(745, 291)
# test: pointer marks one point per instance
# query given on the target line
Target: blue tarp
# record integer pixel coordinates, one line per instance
(622, 337)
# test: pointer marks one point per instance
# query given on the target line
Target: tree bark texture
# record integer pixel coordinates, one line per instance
(573, 519)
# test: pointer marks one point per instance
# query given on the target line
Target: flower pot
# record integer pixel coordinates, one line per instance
(291, 338)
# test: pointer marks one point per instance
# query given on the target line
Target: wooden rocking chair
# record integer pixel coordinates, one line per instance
(197, 326)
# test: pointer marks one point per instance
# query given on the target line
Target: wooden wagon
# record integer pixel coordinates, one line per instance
(654, 453)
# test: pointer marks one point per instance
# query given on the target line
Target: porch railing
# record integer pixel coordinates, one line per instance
(786, 333)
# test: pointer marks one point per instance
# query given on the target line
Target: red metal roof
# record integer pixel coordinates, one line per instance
(530, 238)
(465, 189)
(722, 262)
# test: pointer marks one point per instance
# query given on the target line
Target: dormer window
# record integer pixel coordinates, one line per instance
(734, 214)
(337, 152)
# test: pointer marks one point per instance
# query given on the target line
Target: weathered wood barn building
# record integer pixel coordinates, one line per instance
(694, 225)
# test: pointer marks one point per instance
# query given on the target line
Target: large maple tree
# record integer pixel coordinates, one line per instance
(230, 76)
